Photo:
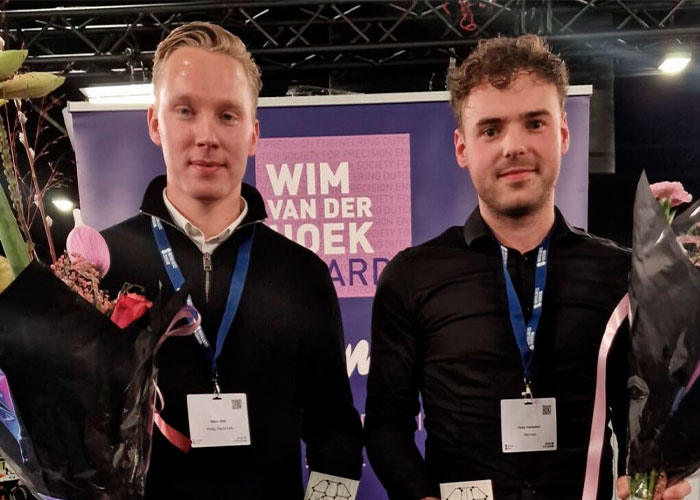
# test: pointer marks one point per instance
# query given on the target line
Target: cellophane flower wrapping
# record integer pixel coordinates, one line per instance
(80, 388)
(664, 413)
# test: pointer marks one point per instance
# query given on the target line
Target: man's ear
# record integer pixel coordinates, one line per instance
(152, 118)
(565, 138)
(254, 138)
(460, 149)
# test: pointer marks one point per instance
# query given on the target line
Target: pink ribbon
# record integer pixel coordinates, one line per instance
(693, 379)
(178, 439)
(598, 424)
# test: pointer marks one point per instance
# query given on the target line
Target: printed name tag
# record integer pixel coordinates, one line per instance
(221, 421)
(528, 425)
(325, 486)
(478, 490)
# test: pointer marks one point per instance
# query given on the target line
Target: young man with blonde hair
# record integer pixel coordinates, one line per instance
(267, 367)
(496, 325)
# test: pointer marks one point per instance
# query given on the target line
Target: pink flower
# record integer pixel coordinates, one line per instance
(84, 279)
(672, 191)
(88, 243)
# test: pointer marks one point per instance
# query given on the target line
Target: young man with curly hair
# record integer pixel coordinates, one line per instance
(496, 325)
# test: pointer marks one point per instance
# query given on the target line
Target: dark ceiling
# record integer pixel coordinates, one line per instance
(336, 43)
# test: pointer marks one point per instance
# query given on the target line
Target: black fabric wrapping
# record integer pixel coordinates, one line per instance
(75, 377)
(665, 343)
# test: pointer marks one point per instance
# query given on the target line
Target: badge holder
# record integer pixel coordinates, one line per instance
(528, 424)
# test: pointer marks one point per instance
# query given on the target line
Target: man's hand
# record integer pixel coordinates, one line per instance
(430, 498)
(676, 492)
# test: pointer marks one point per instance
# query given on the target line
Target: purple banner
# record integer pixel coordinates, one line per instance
(347, 198)
(116, 160)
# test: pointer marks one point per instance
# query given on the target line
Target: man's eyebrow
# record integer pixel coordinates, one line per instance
(535, 114)
(179, 96)
(185, 97)
(230, 105)
(492, 121)
(489, 121)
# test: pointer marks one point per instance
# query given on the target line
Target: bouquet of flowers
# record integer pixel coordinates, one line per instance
(664, 435)
(76, 390)
(77, 369)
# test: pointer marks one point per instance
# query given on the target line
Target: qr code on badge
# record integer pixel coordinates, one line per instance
(236, 404)
(546, 409)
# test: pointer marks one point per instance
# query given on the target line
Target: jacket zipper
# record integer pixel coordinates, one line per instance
(206, 259)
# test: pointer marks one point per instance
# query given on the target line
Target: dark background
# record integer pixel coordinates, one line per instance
(657, 129)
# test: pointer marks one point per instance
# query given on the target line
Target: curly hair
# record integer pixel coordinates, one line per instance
(213, 38)
(498, 61)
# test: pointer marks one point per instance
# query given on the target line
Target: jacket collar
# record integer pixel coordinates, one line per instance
(152, 203)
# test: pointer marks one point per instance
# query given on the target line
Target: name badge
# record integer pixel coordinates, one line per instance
(478, 490)
(528, 425)
(218, 420)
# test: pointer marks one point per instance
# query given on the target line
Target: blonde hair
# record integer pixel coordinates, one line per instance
(214, 39)
(499, 61)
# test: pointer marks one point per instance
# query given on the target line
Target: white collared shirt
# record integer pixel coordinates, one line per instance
(206, 245)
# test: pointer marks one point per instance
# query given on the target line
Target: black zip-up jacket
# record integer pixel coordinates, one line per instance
(285, 350)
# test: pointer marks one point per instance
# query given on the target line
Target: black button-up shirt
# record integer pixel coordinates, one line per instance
(441, 329)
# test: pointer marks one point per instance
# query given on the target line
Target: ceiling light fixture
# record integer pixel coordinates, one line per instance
(141, 93)
(675, 62)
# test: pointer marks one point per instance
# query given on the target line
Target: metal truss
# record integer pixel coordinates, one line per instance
(96, 40)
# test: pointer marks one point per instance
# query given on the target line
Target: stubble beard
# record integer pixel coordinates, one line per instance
(519, 209)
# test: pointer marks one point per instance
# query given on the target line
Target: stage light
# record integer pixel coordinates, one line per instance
(141, 93)
(63, 204)
(675, 62)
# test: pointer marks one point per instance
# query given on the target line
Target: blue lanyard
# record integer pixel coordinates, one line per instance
(234, 294)
(525, 334)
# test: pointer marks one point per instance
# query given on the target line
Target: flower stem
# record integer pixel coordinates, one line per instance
(643, 485)
(39, 197)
